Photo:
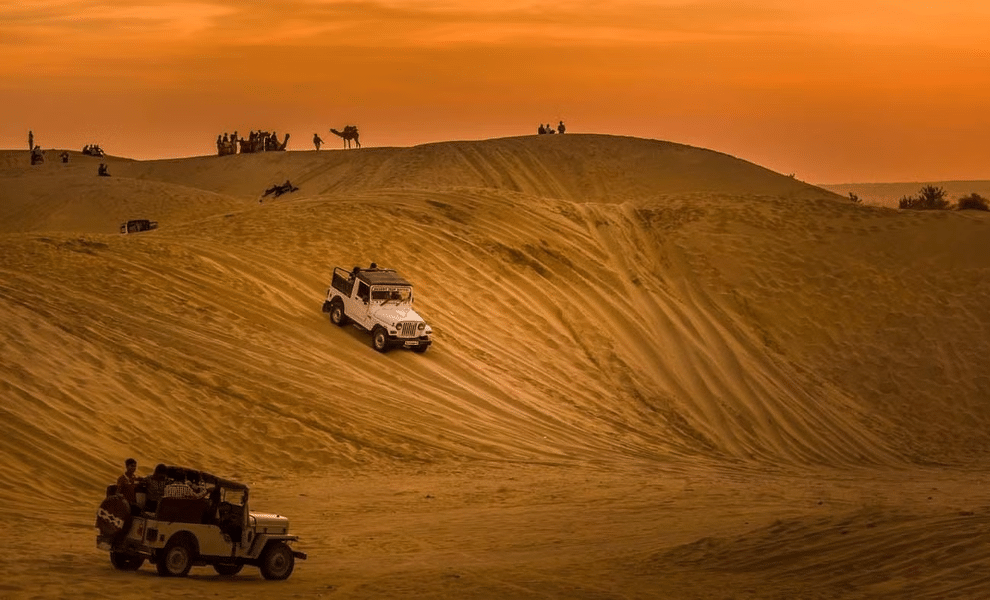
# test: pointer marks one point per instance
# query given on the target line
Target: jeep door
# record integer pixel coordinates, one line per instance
(362, 306)
(232, 515)
(212, 541)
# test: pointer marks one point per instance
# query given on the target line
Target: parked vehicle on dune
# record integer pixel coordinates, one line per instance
(378, 301)
(137, 225)
(180, 531)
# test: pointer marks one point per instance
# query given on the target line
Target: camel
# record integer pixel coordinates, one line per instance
(277, 146)
(349, 133)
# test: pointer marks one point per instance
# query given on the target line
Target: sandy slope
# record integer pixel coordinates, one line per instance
(659, 371)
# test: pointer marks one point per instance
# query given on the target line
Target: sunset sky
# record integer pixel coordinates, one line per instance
(838, 91)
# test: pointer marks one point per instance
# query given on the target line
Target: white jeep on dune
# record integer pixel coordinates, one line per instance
(380, 302)
(214, 527)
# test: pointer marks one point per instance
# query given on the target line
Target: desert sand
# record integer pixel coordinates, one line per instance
(659, 371)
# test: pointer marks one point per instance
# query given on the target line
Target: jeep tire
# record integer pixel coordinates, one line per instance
(175, 559)
(337, 316)
(277, 561)
(114, 517)
(379, 338)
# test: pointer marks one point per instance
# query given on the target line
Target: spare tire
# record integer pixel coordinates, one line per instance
(114, 516)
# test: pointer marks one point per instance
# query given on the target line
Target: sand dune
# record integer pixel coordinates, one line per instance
(654, 366)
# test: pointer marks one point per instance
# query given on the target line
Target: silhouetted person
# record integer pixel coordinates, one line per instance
(280, 189)
(317, 140)
(127, 484)
(560, 127)
(104, 171)
(30, 140)
(37, 155)
(156, 487)
(541, 130)
(65, 157)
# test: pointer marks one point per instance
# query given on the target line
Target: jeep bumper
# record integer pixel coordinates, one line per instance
(418, 342)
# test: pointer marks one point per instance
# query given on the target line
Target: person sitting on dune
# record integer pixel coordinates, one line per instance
(104, 171)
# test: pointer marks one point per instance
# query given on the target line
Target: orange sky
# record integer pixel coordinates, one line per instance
(839, 91)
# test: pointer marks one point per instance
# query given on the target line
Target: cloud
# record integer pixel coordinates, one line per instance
(78, 22)
(400, 23)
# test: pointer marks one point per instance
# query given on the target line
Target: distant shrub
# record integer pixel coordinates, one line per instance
(908, 202)
(973, 201)
(929, 198)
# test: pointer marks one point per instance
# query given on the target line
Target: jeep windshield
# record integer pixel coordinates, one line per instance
(391, 294)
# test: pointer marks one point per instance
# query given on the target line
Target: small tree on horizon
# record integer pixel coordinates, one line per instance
(929, 198)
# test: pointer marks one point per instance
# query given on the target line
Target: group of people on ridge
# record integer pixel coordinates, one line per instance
(38, 155)
(546, 129)
(257, 141)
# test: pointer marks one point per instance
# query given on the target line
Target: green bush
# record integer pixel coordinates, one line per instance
(929, 198)
(973, 201)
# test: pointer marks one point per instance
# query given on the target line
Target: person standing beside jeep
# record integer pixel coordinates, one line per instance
(128, 482)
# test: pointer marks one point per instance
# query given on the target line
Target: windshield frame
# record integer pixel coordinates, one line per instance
(387, 294)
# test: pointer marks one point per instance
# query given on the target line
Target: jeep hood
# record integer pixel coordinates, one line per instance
(391, 313)
(270, 521)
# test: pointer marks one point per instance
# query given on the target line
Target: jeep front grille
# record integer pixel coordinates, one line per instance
(407, 329)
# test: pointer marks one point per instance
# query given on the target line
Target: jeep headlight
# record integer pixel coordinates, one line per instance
(422, 326)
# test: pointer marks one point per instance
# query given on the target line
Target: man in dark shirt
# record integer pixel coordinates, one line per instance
(128, 482)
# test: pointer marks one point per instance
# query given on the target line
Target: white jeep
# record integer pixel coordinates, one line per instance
(177, 533)
(380, 302)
